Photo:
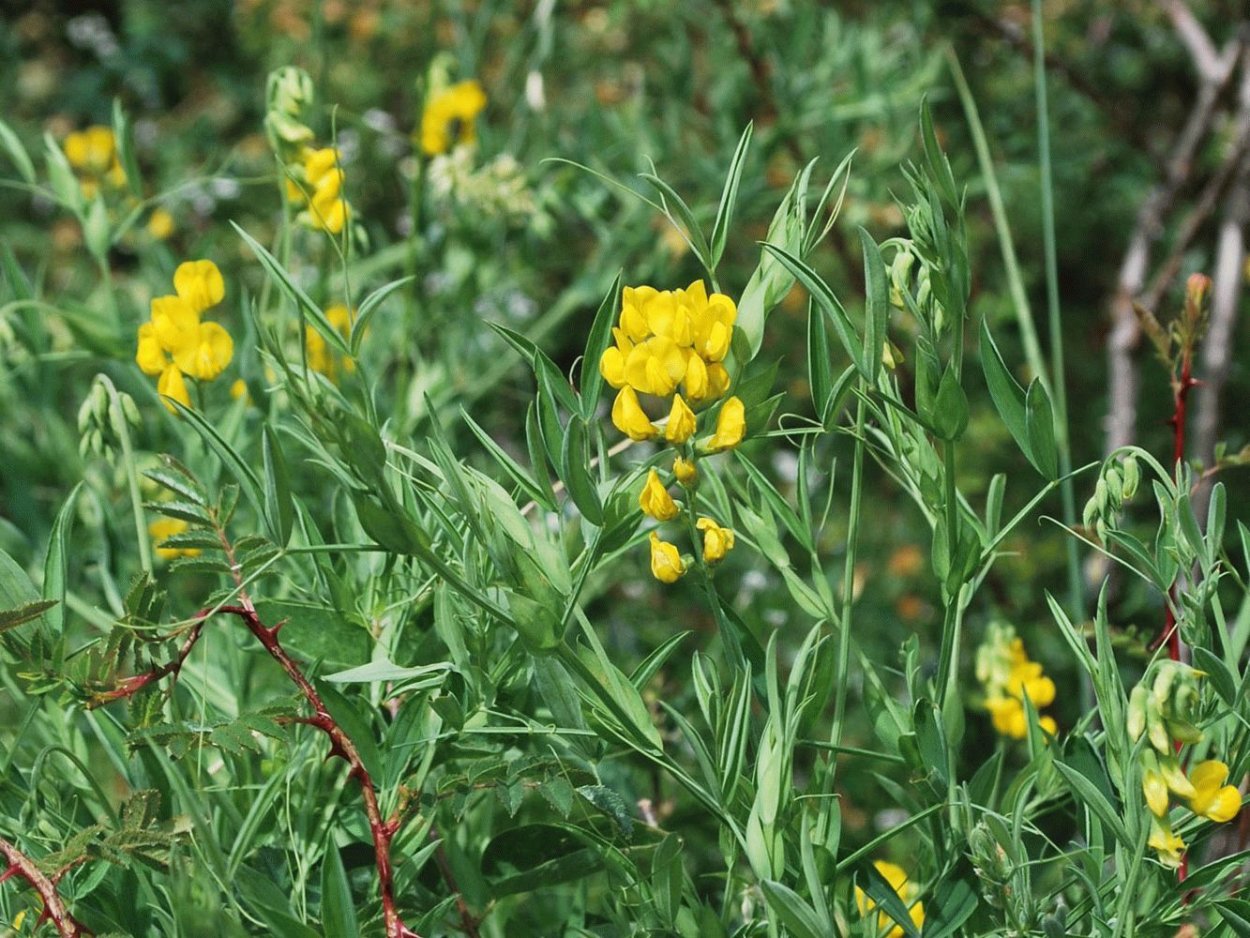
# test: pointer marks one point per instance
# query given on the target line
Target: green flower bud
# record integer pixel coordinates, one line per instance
(1132, 477)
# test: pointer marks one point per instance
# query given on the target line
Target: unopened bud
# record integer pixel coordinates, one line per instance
(1132, 477)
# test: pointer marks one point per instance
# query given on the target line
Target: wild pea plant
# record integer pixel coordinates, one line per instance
(400, 703)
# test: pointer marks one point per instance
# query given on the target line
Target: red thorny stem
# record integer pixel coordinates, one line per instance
(54, 908)
(381, 829)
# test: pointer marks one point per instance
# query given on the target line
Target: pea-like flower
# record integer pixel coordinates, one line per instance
(731, 426)
(1009, 677)
(323, 177)
(1168, 847)
(681, 422)
(1211, 798)
(93, 155)
(666, 563)
(685, 471)
(655, 501)
(174, 342)
(717, 541)
(450, 117)
(630, 418)
(906, 890)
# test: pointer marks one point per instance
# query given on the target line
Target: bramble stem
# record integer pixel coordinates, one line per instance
(54, 908)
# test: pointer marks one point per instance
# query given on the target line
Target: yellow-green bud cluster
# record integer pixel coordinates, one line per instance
(288, 93)
(1117, 484)
(100, 423)
(1163, 708)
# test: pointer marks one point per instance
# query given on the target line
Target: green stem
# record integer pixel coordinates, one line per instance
(118, 418)
(1076, 598)
(848, 589)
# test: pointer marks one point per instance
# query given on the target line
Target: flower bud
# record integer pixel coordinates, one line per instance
(681, 422)
(684, 471)
(1132, 477)
(730, 426)
(655, 501)
(717, 541)
(666, 563)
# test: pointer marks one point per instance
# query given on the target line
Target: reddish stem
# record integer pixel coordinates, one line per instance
(132, 685)
(54, 908)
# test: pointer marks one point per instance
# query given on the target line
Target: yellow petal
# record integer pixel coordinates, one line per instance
(176, 324)
(655, 501)
(171, 385)
(681, 422)
(1156, 792)
(717, 541)
(629, 417)
(149, 354)
(695, 383)
(666, 563)
(209, 355)
(612, 367)
(684, 470)
(717, 380)
(199, 284)
(730, 426)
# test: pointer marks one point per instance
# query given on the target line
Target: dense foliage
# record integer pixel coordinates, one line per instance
(623, 469)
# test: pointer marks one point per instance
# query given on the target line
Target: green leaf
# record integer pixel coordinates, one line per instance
(1008, 396)
(950, 407)
(338, 910)
(17, 153)
(1236, 915)
(183, 511)
(952, 904)
(671, 202)
(886, 899)
(230, 457)
(576, 471)
(829, 304)
(294, 293)
(56, 563)
(819, 362)
(1222, 678)
(729, 198)
(368, 307)
(939, 166)
(279, 508)
(600, 339)
(1039, 419)
(427, 675)
(26, 612)
(876, 304)
(61, 177)
(510, 466)
(1095, 800)
(799, 918)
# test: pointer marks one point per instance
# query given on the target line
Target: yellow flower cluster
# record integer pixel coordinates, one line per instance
(174, 343)
(321, 357)
(1008, 677)
(666, 340)
(1161, 709)
(318, 185)
(93, 155)
(449, 117)
(163, 528)
(906, 890)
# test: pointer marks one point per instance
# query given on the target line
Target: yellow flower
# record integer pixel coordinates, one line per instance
(171, 385)
(93, 155)
(238, 390)
(717, 541)
(731, 426)
(160, 224)
(1009, 677)
(906, 890)
(1212, 798)
(629, 417)
(1007, 715)
(681, 422)
(684, 470)
(149, 355)
(666, 562)
(1167, 845)
(163, 528)
(210, 353)
(454, 109)
(199, 284)
(1154, 787)
(655, 501)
